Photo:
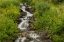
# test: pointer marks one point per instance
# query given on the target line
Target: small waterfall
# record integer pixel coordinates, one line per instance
(26, 35)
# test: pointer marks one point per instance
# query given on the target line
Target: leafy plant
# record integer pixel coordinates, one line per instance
(41, 8)
(8, 29)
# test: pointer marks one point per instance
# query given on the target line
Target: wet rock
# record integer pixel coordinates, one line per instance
(18, 21)
(30, 22)
(47, 40)
(23, 35)
(28, 37)
(45, 37)
(45, 33)
(22, 14)
(30, 29)
(6, 41)
(23, 4)
(21, 10)
(30, 18)
(19, 31)
(15, 37)
(37, 40)
(48, 37)
(27, 40)
(29, 9)
(20, 40)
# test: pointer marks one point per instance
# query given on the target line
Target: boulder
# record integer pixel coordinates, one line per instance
(28, 37)
(44, 34)
(18, 21)
(22, 14)
(29, 9)
(26, 40)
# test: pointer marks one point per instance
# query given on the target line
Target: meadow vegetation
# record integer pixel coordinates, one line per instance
(49, 15)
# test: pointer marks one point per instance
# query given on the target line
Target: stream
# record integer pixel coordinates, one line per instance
(26, 34)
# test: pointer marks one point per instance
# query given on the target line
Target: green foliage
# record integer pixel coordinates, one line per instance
(48, 15)
(8, 29)
(41, 8)
(12, 13)
(50, 18)
(27, 1)
(6, 3)
(57, 1)
(9, 12)
(57, 38)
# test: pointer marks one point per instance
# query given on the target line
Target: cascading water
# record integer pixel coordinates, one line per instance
(28, 36)
(24, 25)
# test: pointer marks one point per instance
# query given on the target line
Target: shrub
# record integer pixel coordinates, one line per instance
(7, 3)
(53, 21)
(12, 13)
(41, 8)
(9, 11)
(8, 29)
(49, 20)
(27, 1)
(57, 38)
(57, 1)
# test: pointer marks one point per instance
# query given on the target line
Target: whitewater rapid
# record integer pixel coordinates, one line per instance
(26, 34)
(24, 25)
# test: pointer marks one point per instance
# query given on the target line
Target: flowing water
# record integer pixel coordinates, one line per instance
(26, 35)
(23, 26)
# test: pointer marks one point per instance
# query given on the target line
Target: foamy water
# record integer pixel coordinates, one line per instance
(24, 25)
(32, 36)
